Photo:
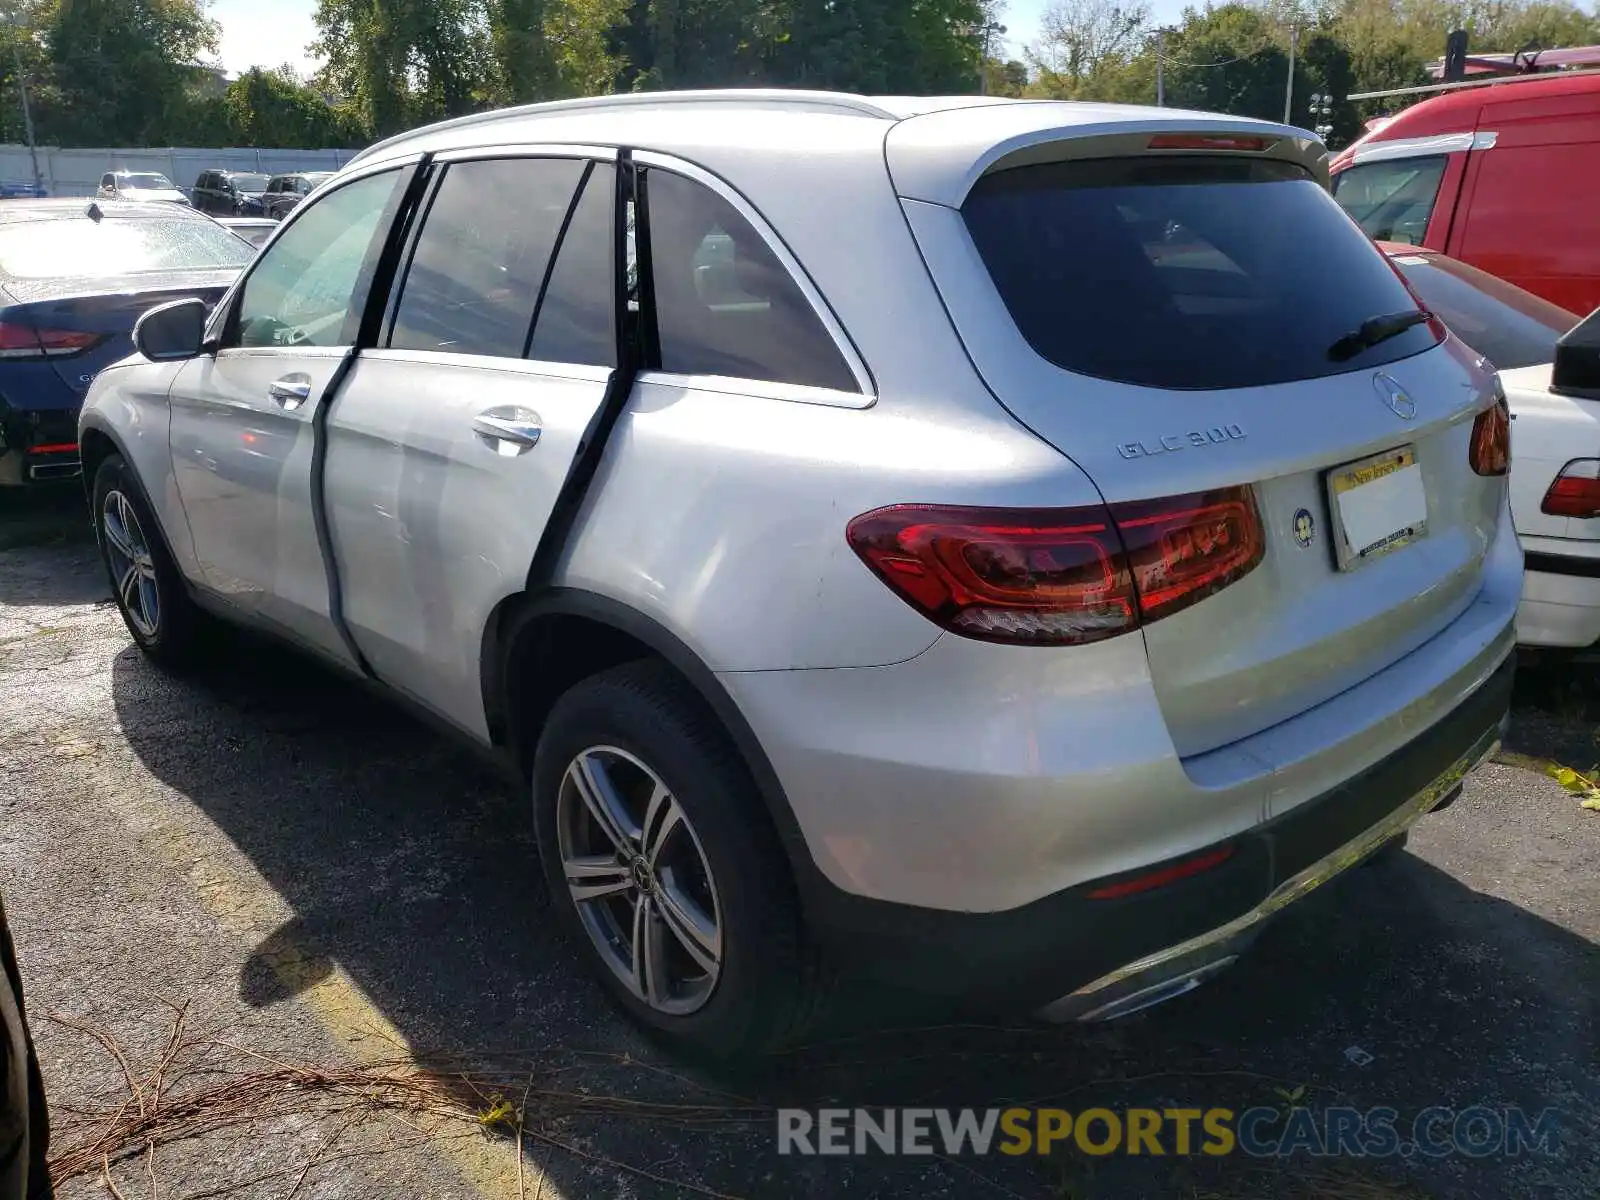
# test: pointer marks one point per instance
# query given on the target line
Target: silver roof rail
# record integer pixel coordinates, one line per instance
(788, 97)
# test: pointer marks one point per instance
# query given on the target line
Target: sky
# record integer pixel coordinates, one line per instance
(269, 33)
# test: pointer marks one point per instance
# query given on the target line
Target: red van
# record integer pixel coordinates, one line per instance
(1505, 176)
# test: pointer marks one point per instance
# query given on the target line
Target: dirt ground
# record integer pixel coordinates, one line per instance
(322, 889)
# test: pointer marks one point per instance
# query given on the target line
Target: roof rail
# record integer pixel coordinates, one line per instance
(1528, 60)
(1430, 89)
(792, 97)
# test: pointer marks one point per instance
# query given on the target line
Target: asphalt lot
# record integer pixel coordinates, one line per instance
(318, 882)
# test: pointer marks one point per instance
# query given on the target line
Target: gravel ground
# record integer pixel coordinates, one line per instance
(315, 879)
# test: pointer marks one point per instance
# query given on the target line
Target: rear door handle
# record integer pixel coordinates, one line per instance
(509, 430)
(291, 391)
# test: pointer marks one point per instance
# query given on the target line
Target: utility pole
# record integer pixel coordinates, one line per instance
(1161, 65)
(1288, 89)
(14, 20)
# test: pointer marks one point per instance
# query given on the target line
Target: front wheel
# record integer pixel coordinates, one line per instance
(145, 582)
(665, 868)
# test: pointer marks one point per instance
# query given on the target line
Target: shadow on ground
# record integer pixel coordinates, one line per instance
(412, 867)
(46, 517)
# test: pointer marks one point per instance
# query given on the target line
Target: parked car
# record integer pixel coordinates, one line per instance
(285, 191)
(1499, 176)
(927, 576)
(229, 193)
(13, 191)
(255, 230)
(74, 277)
(1555, 471)
(139, 187)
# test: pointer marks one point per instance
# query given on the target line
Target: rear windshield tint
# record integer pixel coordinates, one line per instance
(1199, 272)
(81, 248)
(1509, 326)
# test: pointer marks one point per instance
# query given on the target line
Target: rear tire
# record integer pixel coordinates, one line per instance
(146, 584)
(690, 921)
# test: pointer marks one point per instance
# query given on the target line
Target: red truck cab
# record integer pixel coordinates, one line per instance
(1503, 176)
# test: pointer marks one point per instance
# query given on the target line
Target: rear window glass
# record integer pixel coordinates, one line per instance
(1193, 273)
(1499, 320)
(81, 248)
(154, 183)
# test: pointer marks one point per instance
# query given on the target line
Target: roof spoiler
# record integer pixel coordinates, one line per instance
(1577, 365)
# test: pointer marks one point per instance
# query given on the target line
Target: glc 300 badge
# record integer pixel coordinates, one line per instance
(1304, 528)
(1215, 435)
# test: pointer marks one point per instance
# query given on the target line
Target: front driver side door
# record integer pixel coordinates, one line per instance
(242, 429)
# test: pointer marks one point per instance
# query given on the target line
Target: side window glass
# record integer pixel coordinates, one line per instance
(1392, 200)
(724, 303)
(575, 323)
(309, 288)
(482, 256)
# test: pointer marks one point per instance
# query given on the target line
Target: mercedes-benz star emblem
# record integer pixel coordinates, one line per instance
(1392, 394)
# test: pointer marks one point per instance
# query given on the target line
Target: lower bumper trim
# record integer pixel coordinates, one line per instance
(1178, 969)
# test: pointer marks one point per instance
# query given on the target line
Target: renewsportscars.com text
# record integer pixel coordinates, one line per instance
(1479, 1131)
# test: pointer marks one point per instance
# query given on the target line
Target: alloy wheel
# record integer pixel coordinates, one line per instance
(640, 879)
(133, 570)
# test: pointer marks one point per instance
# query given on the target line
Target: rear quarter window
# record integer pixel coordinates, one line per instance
(1199, 272)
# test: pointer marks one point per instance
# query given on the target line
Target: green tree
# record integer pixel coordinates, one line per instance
(275, 109)
(123, 72)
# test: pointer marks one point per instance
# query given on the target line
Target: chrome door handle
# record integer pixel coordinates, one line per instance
(291, 391)
(509, 430)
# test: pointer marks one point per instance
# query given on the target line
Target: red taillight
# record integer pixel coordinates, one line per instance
(54, 448)
(23, 341)
(1576, 491)
(1209, 141)
(1165, 875)
(1489, 451)
(1060, 576)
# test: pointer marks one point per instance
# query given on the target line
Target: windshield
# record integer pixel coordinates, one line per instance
(1196, 272)
(249, 183)
(98, 249)
(146, 182)
(1509, 326)
(1391, 200)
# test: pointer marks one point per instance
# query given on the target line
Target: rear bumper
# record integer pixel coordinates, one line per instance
(1560, 606)
(38, 447)
(1072, 956)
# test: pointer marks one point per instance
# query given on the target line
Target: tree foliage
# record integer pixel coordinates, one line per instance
(1235, 57)
(131, 72)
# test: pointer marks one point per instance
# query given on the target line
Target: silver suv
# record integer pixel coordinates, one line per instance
(1014, 547)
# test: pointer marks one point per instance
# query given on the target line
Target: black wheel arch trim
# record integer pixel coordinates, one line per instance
(528, 608)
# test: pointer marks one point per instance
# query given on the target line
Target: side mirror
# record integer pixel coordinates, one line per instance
(1577, 366)
(171, 332)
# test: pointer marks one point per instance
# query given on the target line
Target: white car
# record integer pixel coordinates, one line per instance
(139, 185)
(1555, 470)
(1014, 547)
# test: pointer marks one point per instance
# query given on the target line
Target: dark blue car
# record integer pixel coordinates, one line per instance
(74, 277)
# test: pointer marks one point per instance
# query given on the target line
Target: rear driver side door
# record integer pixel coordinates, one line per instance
(450, 441)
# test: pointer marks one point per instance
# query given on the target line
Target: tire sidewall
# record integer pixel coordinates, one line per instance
(761, 961)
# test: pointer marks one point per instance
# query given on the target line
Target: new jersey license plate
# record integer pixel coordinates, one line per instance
(1379, 505)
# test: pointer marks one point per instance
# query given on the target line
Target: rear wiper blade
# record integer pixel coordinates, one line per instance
(1375, 330)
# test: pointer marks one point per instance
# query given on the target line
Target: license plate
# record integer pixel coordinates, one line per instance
(1378, 504)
